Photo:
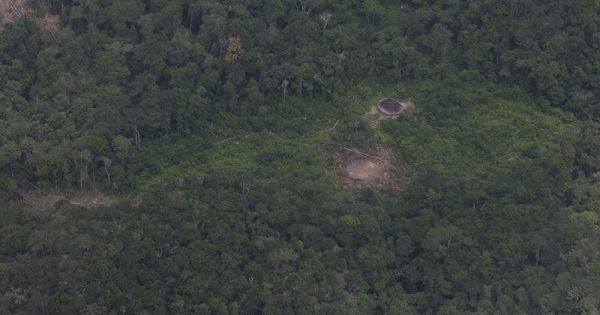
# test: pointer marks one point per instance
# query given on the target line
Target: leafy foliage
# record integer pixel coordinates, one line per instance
(213, 124)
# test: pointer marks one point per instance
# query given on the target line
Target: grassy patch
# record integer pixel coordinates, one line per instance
(474, 132)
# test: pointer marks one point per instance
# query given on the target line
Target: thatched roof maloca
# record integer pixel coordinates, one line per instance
(390, 106)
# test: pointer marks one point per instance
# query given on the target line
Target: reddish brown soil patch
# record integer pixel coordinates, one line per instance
(12, 10)
(373, 169)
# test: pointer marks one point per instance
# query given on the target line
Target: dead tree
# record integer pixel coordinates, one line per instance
(302, 6)
(107, 163)
(325, 17)
(284, 86)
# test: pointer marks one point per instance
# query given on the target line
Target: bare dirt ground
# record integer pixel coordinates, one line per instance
(43, 202)
(12, 10)
(49, 22)
(92, 200)
(373, 169)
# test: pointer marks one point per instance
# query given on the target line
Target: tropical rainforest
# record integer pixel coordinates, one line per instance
(207, 130)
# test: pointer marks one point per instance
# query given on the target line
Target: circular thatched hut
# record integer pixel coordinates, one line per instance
(390, 107)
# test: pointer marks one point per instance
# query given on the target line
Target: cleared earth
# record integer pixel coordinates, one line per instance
(367, 170)
(12, 10)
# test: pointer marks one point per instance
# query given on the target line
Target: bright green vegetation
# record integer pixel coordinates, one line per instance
(211, 123)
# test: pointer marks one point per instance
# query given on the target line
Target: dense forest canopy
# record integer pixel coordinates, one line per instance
(206, 127)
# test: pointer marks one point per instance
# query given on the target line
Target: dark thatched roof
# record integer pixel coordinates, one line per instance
(390, 106)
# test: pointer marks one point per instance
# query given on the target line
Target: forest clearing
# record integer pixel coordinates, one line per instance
(13, 10)
(266, 157)
(373, 170)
